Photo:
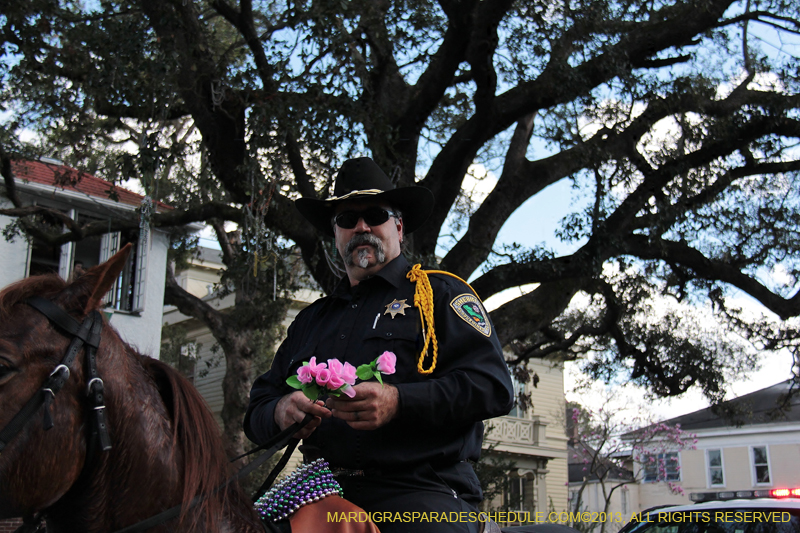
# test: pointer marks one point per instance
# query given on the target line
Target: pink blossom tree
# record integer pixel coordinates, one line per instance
(616, 453)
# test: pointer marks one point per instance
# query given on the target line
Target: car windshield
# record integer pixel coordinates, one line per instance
(740, 520)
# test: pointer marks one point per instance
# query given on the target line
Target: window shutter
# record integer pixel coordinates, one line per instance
(142, 247)
(109, 245)
(67, 252)
(65, 262)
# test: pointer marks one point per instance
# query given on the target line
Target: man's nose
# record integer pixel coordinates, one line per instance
(361, 226)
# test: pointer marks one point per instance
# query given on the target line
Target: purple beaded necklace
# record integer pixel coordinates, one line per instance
(308, 483)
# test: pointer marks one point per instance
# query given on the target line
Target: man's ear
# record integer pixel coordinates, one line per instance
(400, 228)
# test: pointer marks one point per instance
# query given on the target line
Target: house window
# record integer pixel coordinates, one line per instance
(662, 467)
(520, 493)
(47, 258)
(86, 251)
(127, 294)
(623, 496)
(760, 465)
(129, 290)
(716, 474)
(518, 388)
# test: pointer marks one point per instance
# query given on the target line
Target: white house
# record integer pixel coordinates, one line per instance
(135, 306)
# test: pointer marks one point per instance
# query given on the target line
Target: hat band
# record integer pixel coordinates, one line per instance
(365, 192)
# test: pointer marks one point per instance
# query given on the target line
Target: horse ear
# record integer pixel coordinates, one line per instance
(102, 277)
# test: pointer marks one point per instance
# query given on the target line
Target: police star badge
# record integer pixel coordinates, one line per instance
(397, 307)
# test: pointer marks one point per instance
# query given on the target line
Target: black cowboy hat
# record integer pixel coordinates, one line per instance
(363, 179)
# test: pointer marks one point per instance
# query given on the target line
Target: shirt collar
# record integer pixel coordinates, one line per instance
(394, 273)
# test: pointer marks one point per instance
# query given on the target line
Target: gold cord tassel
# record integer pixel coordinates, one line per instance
(423, 299)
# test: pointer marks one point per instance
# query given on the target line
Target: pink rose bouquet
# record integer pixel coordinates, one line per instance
(335, 378)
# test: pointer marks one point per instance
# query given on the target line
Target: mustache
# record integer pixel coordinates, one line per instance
(361, 239)
(363, 261)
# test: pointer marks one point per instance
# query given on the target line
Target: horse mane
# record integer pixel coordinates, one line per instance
(45, 285)
(197, 435)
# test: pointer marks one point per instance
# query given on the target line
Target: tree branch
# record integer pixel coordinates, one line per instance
(710, 269)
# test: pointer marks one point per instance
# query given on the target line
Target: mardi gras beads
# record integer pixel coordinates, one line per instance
(308, 483)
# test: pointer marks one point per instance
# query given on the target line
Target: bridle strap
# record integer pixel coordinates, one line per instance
(87, 333)
(63, 320)
(46, 394)
(95, 390)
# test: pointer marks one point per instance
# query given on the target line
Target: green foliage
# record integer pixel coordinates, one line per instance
(676, 123)
(493, 470)
(178, 350)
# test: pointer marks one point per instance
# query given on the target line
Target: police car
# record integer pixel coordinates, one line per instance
(750, 511)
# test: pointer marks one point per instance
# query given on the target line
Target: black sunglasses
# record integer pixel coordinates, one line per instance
(374, 216)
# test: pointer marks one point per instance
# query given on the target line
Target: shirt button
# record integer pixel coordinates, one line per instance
(388, 333)
(342, 336)
(354, 306)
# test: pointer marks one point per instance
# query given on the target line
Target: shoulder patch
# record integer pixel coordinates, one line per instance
(469, 309)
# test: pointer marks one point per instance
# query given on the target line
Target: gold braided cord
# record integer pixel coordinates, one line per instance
(423, 299)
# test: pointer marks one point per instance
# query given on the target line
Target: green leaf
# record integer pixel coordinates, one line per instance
(311, 391)
(364, 372)
(378, 377)
(294, 381)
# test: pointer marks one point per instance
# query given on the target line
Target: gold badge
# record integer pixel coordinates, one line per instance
(397, 307)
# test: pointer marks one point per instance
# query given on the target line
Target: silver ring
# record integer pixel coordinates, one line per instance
(357, 415)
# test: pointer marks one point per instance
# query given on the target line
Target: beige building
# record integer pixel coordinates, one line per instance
(758, 450)
(534, 440)
(536, 443)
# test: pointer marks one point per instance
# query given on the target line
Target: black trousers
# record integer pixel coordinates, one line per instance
(423, 499)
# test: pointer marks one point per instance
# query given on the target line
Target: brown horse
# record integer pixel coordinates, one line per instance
(165, 445)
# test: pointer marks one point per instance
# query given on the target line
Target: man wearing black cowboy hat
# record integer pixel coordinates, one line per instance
(403, 447)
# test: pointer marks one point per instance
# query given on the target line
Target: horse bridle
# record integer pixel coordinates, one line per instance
(84, 333)
(88, 333)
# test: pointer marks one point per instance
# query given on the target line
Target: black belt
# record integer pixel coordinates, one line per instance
(349, 472)
(383, 472)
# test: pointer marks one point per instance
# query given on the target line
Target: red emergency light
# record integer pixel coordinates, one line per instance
(785, 493)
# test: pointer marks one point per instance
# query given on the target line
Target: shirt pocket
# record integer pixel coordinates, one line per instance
(398, 336)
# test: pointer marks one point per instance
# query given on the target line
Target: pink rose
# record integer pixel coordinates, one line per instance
(335, 381)
(314, 367)
(348, 390)
(304, 374)
(340, 374)
(348, 374)
(323, 376)
(335, 366)
(386, 362)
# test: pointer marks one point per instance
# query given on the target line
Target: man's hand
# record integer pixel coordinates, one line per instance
(372, 407)
(293, 408)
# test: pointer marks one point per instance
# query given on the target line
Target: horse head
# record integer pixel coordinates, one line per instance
(165, 447)
(38, 466)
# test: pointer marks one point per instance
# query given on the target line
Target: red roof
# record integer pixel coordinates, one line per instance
(70, 179)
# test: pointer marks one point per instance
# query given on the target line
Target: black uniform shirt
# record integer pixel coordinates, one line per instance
(439, 414)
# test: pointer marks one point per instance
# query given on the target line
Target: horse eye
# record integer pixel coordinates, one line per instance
(6, 372)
